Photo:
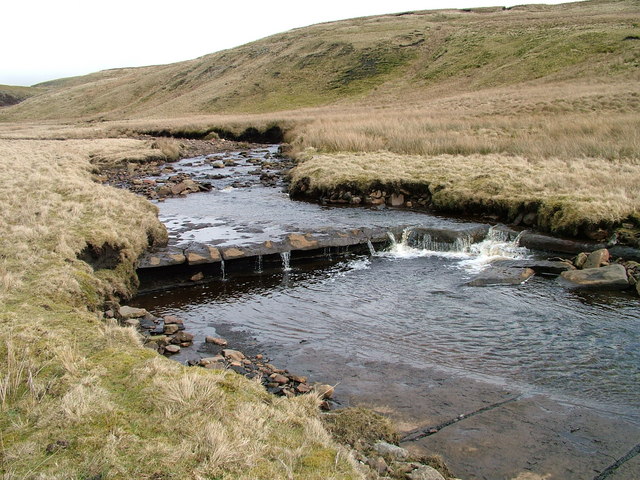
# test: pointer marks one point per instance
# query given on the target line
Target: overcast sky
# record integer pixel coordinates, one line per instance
(48, 39)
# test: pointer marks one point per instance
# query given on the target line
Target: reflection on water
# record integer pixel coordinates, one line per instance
(417, 309)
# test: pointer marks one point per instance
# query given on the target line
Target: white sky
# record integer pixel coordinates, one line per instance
(48, 39)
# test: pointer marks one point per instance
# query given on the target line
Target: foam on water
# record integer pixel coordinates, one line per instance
(474, 257)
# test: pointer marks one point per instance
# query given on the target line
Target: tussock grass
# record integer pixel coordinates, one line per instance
(569, 193)
(79, 396)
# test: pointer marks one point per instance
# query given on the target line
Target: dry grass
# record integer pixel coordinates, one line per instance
(534, 106)
(568, 192)
(80, 397)
(381, 59)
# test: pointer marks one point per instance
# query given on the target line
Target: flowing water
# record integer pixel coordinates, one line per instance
(408, 307)
(537, 336)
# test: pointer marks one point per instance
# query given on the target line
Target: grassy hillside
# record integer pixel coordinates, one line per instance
(11, 95)
(382, 59)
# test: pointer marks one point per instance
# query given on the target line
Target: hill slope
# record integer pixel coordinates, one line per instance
(11, 95)
(387, 58)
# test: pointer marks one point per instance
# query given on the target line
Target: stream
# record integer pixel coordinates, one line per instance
(392, 327)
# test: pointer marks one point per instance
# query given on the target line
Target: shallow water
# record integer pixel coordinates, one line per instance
(402, 331)
(407, 307)
(417, 311)
(252, 213)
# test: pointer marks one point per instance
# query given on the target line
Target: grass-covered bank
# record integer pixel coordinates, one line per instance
(79, 396)
(580, 197)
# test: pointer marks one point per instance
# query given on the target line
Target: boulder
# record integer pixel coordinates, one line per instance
(172, 349)
(536, 241)
(233, 355)
(182, 337)
(172, 319)
(580, 259)
(377, 464)
(279, 379)
(298, 378)
(170, 329)
(216, 341)
(303, 388)
(597, 259)
(324, 391)
(207, 360)
(612, 277)
(425, 472)
(426, 237)
(127, 312)
(628, 253)
(197, 277)
(502, 276)
(179, 188)
(197, 254)
(390, 451)
(167, 257)
(552, 267)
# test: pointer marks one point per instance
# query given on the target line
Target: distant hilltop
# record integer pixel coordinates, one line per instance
(381, 59)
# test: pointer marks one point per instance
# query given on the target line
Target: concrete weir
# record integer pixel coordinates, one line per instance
(196, 262)
(177, 265)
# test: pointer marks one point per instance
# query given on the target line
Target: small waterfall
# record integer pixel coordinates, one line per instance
(286, 259)
(426, 242)
(498, 244)
(372, 249)
(327, 253)
(392, 239)
(222, 269)
(259, 264)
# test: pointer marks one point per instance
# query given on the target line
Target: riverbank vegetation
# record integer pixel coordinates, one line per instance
(79, 396)
(533, 109)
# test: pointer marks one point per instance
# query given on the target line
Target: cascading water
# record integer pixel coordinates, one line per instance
(496, 245)
(372, 249)
(259, 264)
(286, 259)
(222, 269)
